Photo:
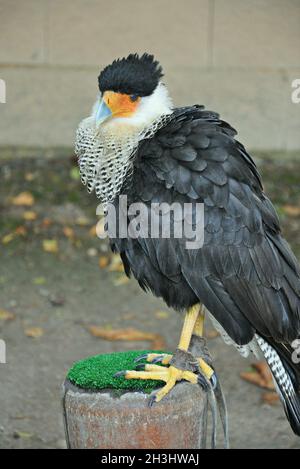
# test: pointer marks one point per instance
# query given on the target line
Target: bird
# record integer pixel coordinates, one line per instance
(244, 276)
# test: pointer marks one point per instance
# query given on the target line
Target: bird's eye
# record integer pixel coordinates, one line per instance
(133, 97)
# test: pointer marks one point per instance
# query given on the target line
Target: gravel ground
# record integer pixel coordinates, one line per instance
(56, 295)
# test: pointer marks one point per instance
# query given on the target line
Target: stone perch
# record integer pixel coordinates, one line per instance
(100, 413)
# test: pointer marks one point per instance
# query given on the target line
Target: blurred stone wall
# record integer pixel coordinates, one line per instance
(238, 57)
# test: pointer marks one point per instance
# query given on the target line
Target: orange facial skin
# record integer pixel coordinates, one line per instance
(121, 105)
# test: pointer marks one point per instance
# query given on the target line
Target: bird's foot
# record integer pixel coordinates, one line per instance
(182, 366)
(170, 375)
(197, 359)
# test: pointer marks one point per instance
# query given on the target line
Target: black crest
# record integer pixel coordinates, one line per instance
(137, 75)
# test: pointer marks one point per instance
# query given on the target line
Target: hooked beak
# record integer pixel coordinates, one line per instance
(103, 112)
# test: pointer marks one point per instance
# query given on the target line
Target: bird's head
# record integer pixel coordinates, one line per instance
(131, 92)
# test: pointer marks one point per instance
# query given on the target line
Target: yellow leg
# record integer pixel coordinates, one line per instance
(174, 373)
(199, 325)
(198, 330)
(188, 327)
(198, 312)
(171, 374)
(165, 358)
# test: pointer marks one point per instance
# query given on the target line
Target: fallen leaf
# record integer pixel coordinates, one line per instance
(68, 232)
(29, 177)
(50, 245)
(13, 303)
(44, 292)
(34, 332)
(104, 248)
(20, 417)
(92, 231)
(21, 230)
(82, 221)
(263, 369)
(24, 435)
(121, 280)
(128, 316)
(108, 327)
(270, 398)
(116, 264)
(23, 199)
(29, 215)
(39, 281)
(260, 376)
(211, 334)
(6, 315)
(128, 334)
(92, 252)
(252, 378)
(46, 222)
(57, 300)
(8, 238)
(103, 262)
(74, 173)
(291, 210)
(161, 314)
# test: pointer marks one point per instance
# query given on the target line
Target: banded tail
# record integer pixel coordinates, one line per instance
(286, 375)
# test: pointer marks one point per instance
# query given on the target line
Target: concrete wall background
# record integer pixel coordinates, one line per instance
(237, 57)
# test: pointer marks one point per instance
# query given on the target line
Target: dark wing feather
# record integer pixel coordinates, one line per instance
(245, 274)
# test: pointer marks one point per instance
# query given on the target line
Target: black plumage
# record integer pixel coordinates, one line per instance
(243, 249)
(245, 273)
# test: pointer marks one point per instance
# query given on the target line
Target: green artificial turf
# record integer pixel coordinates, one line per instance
(97, 372)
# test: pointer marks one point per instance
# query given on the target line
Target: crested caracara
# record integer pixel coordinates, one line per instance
(244, 275)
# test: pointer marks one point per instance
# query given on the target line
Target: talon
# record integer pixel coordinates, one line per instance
(163, 358)
(203, 382)
(140, 366)
(214, 381)
(160, 373)
(120, 373)
(151, 401)
(141, 357)
(158, 359)
(206, 374)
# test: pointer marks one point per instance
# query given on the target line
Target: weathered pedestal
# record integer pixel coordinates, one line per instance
(99, 419)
